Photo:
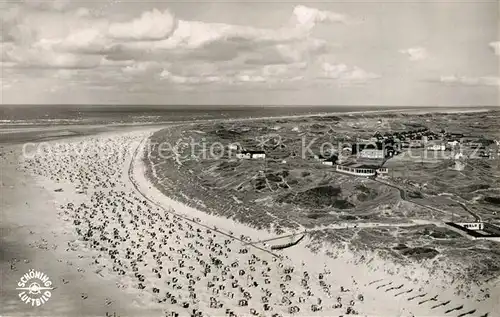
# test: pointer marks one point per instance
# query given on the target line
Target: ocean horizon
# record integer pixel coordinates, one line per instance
(113, 114)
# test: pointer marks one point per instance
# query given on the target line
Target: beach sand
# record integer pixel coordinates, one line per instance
(35, 237)
(111, 242)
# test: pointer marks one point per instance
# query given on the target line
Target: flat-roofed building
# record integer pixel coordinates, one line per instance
(361, 169)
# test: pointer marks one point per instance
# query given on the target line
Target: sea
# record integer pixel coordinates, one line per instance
(29, 123)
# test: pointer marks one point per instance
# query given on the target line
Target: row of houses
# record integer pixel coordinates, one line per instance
(424, 137)
(420, 134)
(407, 136)
(353, 168)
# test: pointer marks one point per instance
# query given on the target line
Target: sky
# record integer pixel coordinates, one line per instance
(242, 52)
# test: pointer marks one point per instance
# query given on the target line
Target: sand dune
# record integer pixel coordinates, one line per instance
(173, 260)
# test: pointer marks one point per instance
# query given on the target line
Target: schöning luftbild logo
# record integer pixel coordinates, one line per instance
(35, 288)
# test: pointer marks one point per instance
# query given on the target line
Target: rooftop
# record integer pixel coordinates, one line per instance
(253, 152)
(489, 231)
(371, 165)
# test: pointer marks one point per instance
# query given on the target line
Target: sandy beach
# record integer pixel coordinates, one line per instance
(113, 243)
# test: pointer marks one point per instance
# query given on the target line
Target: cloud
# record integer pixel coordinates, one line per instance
(474, 81)
(415, 53)
(26, 25)
(204, 73)
(38, 57)
(141, 68)
(177, 79)
(57, 5)
(39, 35)
(496, 47)
(347, 74)
(269, 74)
(307, 17)
(155, 43)
(84, 41)
(154, 25)
(153, 35)
(471, 81)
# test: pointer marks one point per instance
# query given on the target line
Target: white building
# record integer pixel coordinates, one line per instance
(356, 170)
(372, 153)
(233, 146)
(382, 170)
(260, 155)
(472, 225)
(452, 144)
(436, 147)
(251, 155)
(245, 155)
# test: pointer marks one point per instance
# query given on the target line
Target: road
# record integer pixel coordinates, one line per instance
(404, 196)
(478, 217)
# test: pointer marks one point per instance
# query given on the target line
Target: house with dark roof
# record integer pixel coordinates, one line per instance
(330, 160)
